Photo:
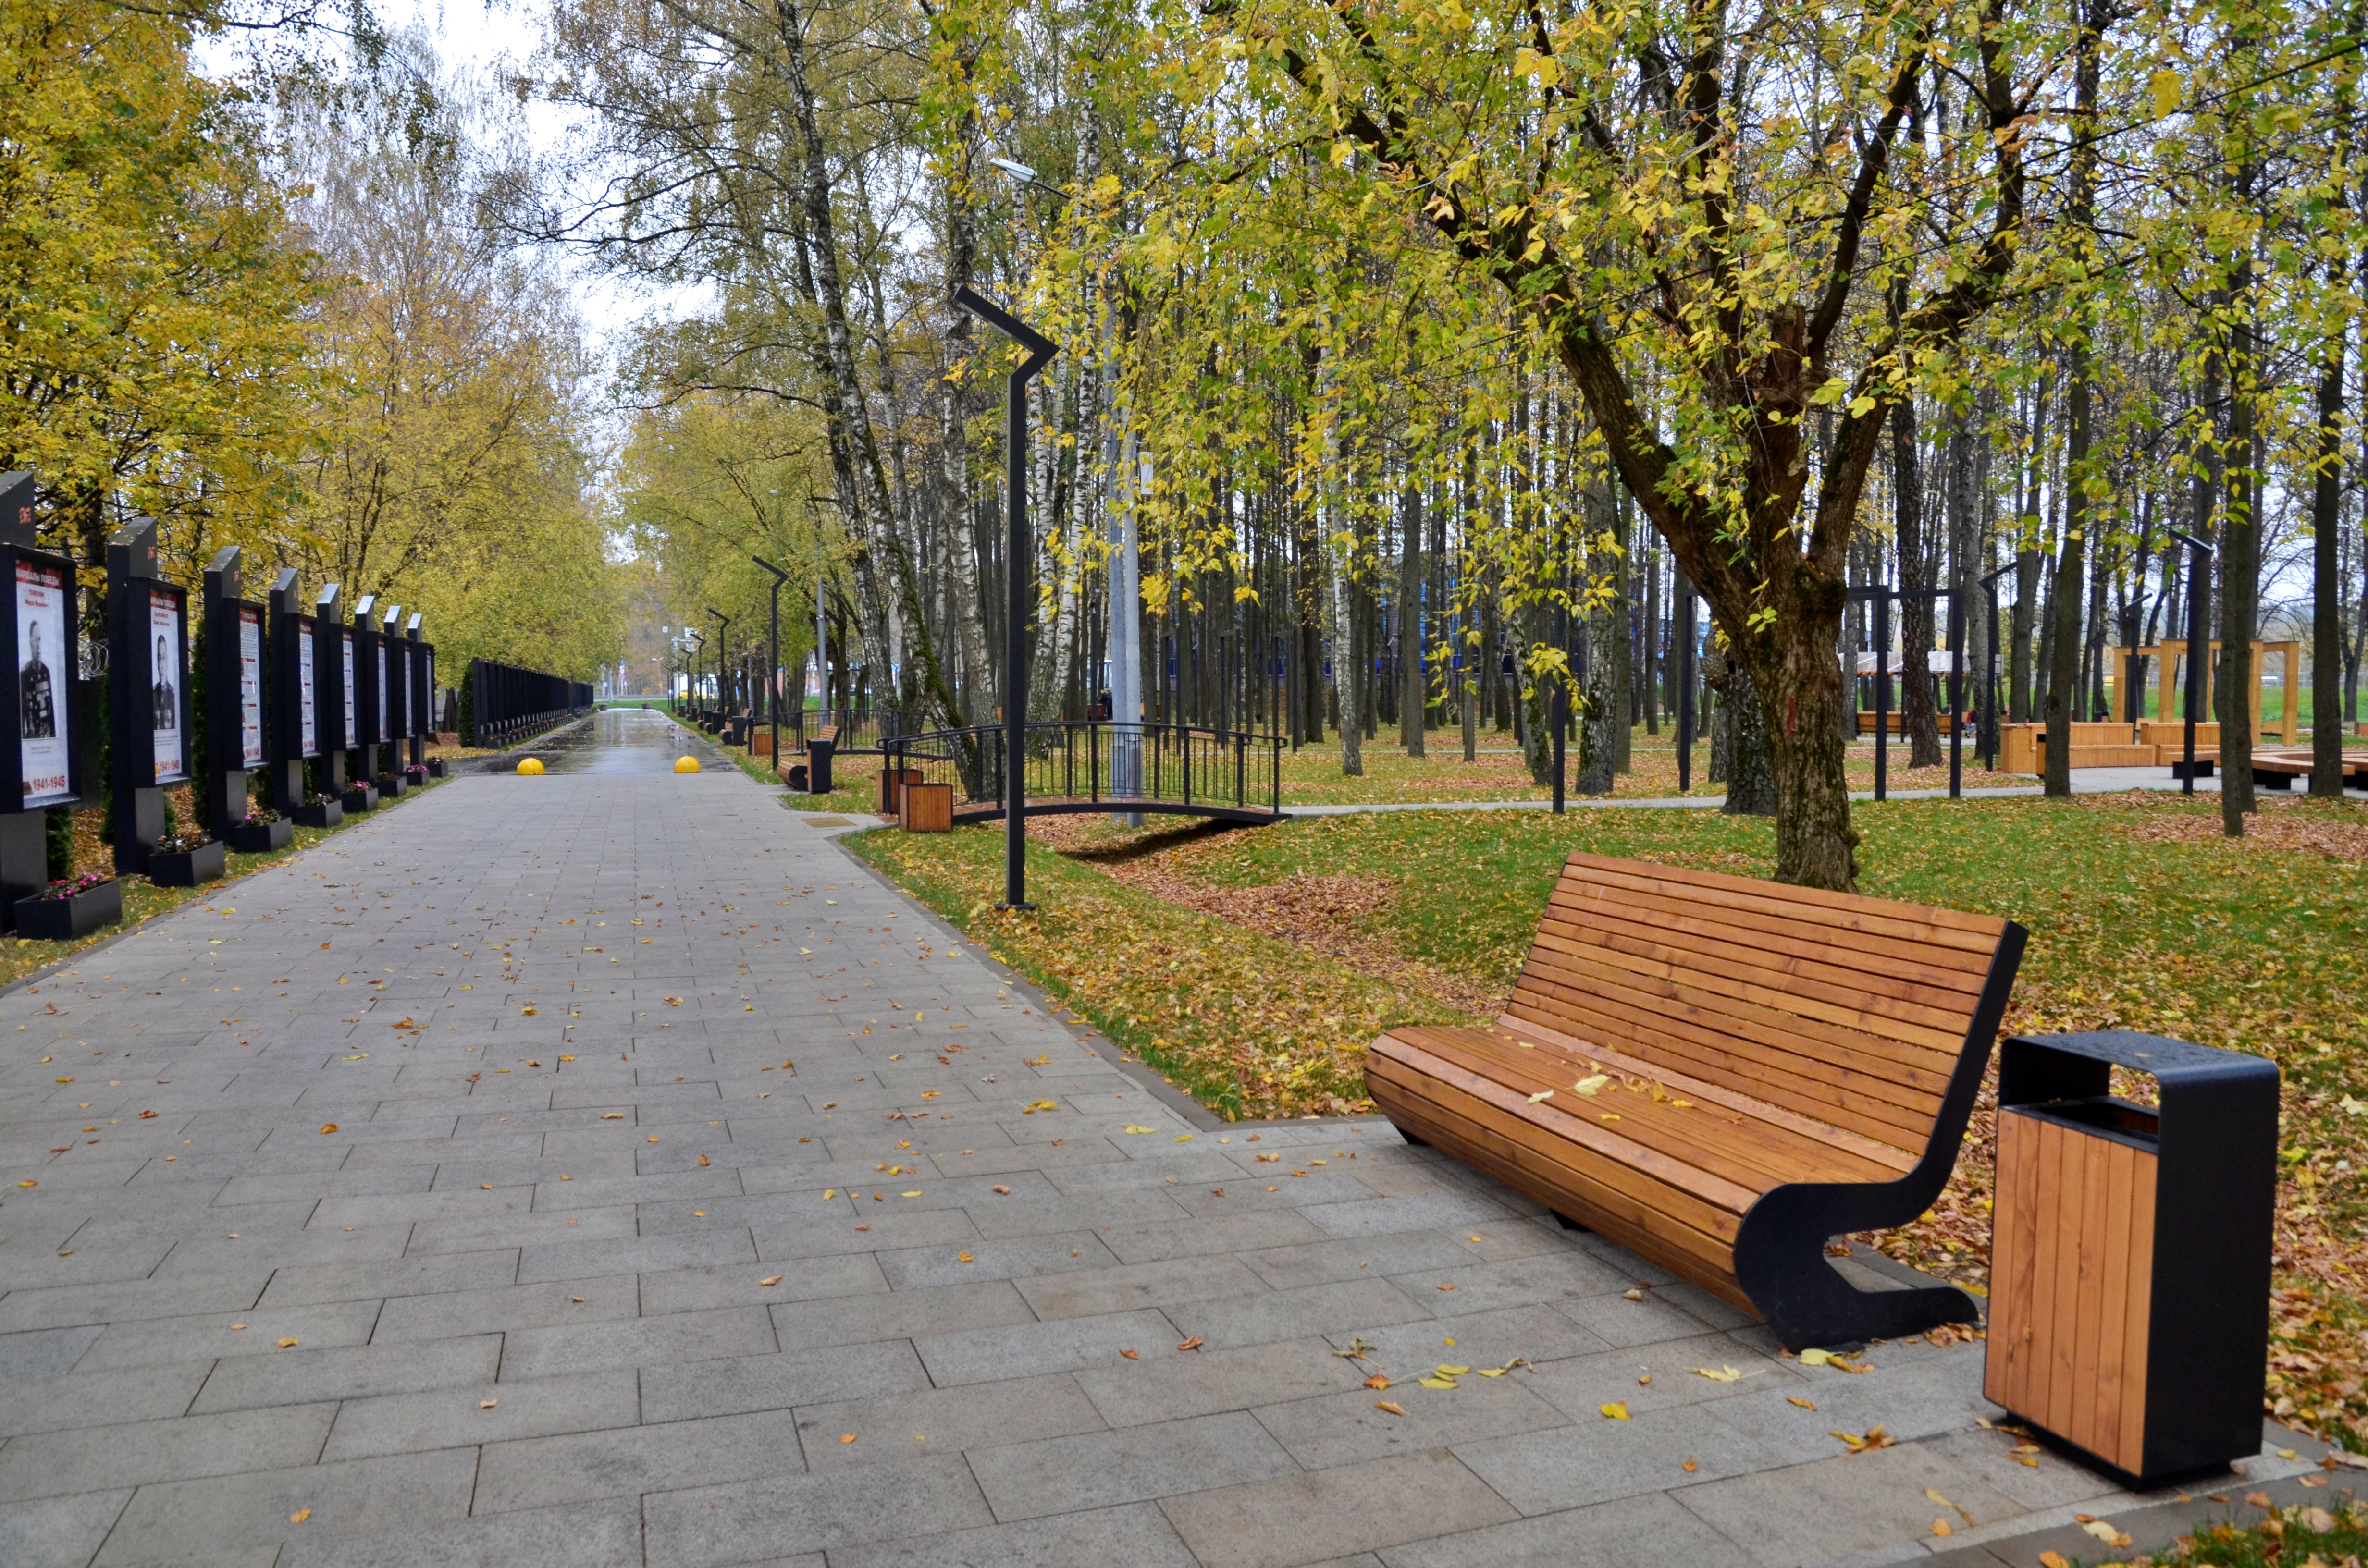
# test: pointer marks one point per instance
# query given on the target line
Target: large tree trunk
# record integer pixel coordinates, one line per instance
(1766, 779)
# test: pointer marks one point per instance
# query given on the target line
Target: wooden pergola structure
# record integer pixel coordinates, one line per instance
(2163, 678)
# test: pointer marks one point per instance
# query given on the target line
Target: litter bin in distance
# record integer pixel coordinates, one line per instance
(818, 766)
(2129, 1312)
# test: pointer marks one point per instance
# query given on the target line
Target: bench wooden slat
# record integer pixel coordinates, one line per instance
(1888, 1155)
(1734, 1146)
(1739, 974)
(1750, 1040)
(1829, 1047)
(1975, 935)
(1883, 967)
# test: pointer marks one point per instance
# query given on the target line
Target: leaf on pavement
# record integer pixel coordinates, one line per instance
(1392, 1406)
(1616, 1411)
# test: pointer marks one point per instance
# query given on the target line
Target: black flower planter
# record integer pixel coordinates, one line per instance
(435, 768)
(261, 838)
(61, 919)
(359, 799)
(393, 786)
(189, 869)
(319, 813)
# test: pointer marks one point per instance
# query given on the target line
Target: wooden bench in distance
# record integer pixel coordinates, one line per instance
(1720, 1074)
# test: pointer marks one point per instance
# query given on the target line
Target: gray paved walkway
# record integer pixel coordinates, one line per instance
(601, 1169)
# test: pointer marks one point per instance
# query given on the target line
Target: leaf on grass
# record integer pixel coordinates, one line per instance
(1392, 1406)
(1616, 1411)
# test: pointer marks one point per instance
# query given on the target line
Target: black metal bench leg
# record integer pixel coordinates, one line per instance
(1780, 1261)
(1567, 1224)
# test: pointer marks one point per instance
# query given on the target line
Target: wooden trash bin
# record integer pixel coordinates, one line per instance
(928, 808)
(2129, 1310)
(892, 789)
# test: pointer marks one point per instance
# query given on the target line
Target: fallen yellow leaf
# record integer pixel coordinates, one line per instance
(1377, 1381)
(1438, 1382)
(1616, 1410)
(329, 1126)
(1940, 1527)
(287, 1345)
(1392, 1406)
(1143, 1130)
(2052, 1559)
(1718, 1374)
(487, 1403)
(846, 1437)
(770, 1281)
(2106, 1533)
(964, 1258)
(1796, 1399)
(1545, 1095)
(1192, 1344)
(614, 1116)
(300, 1515)
(1453, 1371)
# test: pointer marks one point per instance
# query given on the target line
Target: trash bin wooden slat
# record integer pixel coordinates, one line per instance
(2130, 1251)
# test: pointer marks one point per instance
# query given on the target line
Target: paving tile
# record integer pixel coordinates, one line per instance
(304, 1377)
(508, 1307)
(201, 1520)
(1310, 1518)
(1325, 1262)
(80, 1305)
(637, 1342)
(1199, 1237)
(58, 1532)
(536, 1473)
(455, 1417)
(1346, 1428)
(989, 1303)
(1648, 1531)
(1808, 1512)
(401, 1276)
(1378, 1216)
(42, 1353)
(1060, 1253)
(1596, 1458)
(936, 1421)
(163, 1341)
(639, 1254)
(729, 1285)
(135, 1454)
(583, 1535)
(1137, 1535)
(1130, 1394)
(982, 1355)
(97, 1399)
(1288, 1314)
(1064, 1475)
(1127, 1287)
(710, 1526)
(1537, 1334)
(735, 1385)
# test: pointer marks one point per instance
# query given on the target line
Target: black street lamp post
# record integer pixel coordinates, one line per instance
(1037, 353)
(723, 645)
(773, 661)
(2199, 651)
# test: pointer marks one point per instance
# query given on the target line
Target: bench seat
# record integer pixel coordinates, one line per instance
(1720, 1074)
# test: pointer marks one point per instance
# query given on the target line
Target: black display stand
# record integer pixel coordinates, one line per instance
(226, 695)
(329, 675)
(394, 722)
(283, 737)
(368, 727)
(45, 696)
(422, 706)
(135, 684)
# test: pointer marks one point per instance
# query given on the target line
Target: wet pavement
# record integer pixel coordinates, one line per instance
(616, 740)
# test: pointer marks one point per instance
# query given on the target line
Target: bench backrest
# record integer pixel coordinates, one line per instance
(1854, 1011)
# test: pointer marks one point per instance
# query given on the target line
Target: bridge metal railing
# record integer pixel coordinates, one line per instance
(1095, 763)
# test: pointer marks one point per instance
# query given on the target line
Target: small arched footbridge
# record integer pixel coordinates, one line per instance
(1075, 767)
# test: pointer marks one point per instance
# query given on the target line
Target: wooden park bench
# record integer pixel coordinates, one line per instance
(1723, 1075)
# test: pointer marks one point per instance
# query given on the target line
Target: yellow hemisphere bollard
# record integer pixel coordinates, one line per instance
(685, 765)
(531, 768)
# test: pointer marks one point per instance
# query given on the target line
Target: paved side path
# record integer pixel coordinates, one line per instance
(602, 1170)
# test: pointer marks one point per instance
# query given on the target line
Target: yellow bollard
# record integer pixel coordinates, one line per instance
(531, 768)
(685, 765)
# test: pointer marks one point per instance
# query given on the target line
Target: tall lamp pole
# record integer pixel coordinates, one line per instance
(723, 646)
(1037, 353)
(2199, 651)
(773, 657)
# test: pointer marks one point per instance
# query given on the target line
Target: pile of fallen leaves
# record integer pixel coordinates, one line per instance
(1247, 1024)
